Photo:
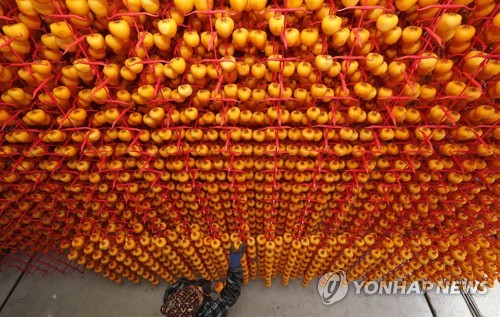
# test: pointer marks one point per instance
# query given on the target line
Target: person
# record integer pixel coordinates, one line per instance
(186, 298)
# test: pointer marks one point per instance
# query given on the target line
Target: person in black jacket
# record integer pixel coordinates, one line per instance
(187, 298)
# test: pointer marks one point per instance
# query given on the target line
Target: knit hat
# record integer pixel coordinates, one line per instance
(184, 303)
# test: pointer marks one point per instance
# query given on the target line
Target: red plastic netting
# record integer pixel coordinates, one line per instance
(145, 137)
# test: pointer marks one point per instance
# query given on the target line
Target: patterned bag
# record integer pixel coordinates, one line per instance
(184, 303)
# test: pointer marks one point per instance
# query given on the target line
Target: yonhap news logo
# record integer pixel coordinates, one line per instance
(333, 287)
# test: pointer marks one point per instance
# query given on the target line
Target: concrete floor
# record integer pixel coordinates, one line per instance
(88, 295)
